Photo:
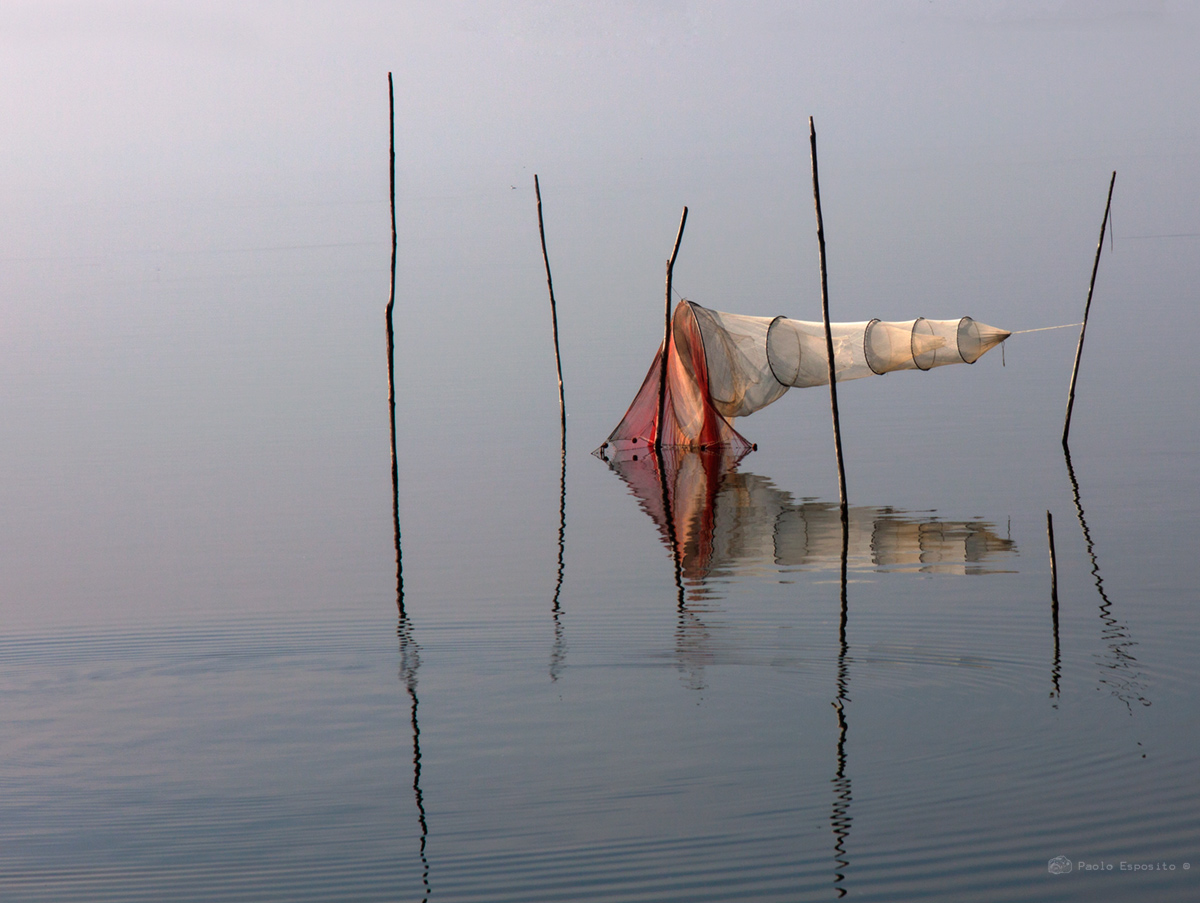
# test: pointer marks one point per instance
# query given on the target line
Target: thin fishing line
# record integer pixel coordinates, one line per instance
(1044, 328)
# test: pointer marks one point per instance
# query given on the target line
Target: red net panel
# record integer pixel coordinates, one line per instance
(689, 417)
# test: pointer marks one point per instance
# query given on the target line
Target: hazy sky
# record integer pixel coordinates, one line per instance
(180, 127)
(945, 128)
(106, 97)
(131, 126)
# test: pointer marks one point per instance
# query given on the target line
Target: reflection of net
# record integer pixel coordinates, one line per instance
(721, 366)
(726, 522)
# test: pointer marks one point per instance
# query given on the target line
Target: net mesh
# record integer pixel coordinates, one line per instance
(722, 365)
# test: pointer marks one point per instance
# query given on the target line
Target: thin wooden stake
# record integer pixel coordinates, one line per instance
(562, 404)
(837, 425)
(1086, 309)
(557, 652)
(662, 372)
(391, 347)
(410, 658)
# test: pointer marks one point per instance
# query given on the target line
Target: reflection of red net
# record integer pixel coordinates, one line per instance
(681, 498)
(689, 417)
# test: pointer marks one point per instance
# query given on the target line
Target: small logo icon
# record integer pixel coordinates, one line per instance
(1059, 865)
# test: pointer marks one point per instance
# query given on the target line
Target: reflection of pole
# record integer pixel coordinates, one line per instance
(1122, 679)
(558, 651)
(669, 515)
(681, 612)
(837, 426)
(839, 817)
(1086, 308)
(410, 661)
(1056, 671)
(562, 404)
(662, 371)
(391, 347)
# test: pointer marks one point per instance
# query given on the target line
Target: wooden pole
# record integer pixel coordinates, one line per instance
(557, 652)
(837, 426)
(662, 371)
(1086, 309)
(410, 659)
(391, 347)
(562, 404)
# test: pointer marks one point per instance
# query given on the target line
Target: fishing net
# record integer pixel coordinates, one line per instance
(721, 366)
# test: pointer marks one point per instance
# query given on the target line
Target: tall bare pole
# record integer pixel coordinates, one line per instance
(837, 425)
(1086, 309)
(562, 404)
(558, 650)
(662, 371)
(391, 347)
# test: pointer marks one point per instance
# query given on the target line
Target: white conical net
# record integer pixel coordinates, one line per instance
(722, 366)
